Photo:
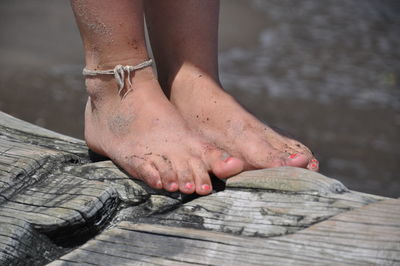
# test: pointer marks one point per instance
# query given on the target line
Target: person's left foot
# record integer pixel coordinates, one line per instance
(216, 115)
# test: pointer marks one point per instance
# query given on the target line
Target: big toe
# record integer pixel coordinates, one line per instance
(298, 160)
(222, 164)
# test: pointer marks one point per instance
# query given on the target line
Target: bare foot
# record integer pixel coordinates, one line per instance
(145, 135)
(218, 117)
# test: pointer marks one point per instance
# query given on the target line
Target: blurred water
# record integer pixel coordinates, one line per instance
(322, 51)
(326, 71)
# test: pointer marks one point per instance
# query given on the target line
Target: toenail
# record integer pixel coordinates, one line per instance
(313, 165)
(294, 155)
(314, 161)
(174, 186)
(228, 159)
(189, 185)
(205, 187)
(225, 157)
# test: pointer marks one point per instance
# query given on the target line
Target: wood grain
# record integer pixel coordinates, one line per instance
(344, 240)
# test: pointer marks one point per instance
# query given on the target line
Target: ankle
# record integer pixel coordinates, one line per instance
(186, 75)
(116, 82)
(99, 62)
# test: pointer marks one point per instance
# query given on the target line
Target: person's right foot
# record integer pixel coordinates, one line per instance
(145, 135)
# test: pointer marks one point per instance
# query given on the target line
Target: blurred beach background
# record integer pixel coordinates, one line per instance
(327, 72)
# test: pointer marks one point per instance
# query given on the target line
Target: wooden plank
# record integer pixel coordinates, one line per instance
(287, 179)
(25, 132)
(75, 207)
(323, 243)
(22, 165)
(21, 244)
(169, 245)
(259, 210)
(66, 208)
(365, 234)
(130, 191)
(64, 217)
(297, 180)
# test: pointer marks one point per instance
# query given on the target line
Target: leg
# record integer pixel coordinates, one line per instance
(185, 48)
(142, 132)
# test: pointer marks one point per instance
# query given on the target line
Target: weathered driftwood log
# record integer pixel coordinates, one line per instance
(59, 207)
(344, 239)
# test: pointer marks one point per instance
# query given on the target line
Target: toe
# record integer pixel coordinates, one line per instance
(264, 155)
(169, 180)
(313, 165)
(295, 146)
(149, 174)
(296, 154)
(186, 181)
(167, 172)
(261, 154)
(202, 180)
(222, 164)
(297, 160)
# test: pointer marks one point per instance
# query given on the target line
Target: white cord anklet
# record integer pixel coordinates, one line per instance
(119, 74)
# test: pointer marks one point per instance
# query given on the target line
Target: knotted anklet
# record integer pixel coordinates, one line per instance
(119, 74)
